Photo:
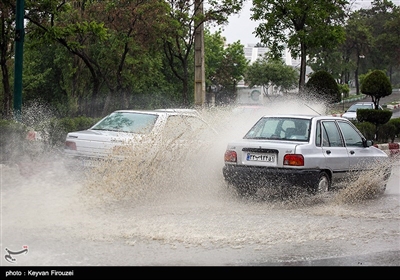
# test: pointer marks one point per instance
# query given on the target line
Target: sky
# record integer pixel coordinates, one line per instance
(241, 27)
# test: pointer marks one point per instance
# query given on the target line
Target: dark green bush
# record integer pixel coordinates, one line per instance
(385, 132)
(374, 116)
(322, 83)
(377, 85)
(396, 124)
(367, 129)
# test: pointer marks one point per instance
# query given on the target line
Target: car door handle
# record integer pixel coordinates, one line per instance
(352, 152)
(328, 152)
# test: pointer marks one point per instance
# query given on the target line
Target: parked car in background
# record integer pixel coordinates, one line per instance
(351, 113)
(133, 129)
(298, 150)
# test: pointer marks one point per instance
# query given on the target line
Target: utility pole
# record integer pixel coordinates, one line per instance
(199, 71)
(19, 51)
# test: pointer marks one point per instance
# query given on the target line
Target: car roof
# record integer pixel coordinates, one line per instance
(310, 117)
(162, 111)
(364, 103)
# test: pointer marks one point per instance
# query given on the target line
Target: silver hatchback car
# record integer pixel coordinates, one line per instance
(310, 151)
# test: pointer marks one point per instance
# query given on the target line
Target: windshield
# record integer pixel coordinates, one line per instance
(280, 128)
(127, 122)
(355, 107)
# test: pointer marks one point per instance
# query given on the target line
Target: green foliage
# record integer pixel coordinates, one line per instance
(389, 131)
(268, 72)
(322, 84)
(344, 88)
(377, 85)
(396, 131)
(302, 25)
(374, 116)
(367, 129)
(225, 66)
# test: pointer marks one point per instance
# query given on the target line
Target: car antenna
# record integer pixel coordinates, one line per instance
(312, 109)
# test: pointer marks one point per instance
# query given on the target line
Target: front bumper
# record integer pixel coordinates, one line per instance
(256, 176)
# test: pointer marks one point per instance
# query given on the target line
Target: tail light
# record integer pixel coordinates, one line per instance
(293, 159)
(70, 145)
(230, 156)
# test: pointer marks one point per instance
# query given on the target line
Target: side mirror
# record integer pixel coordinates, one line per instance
(367, 143)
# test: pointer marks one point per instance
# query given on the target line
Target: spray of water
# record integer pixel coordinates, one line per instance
(365, 185)
(195, 162)
(175, 192)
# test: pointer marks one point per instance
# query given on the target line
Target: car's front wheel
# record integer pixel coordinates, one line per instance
(323, 184)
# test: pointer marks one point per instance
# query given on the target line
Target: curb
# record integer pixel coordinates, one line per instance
(391, 107)
(392, 149)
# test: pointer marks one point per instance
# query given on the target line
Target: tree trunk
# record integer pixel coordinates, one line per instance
(7, 91)
(303, 59)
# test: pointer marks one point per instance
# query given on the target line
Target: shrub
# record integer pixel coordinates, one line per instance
(377, 85)
(396, 124)
(344, 88)
(377, 117)
(374, 116)
(386, 132)
(367, 129)
(322, 83)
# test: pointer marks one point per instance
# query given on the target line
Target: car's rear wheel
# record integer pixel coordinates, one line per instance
(323, 184)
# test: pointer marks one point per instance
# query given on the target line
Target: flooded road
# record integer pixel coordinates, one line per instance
(181, 213)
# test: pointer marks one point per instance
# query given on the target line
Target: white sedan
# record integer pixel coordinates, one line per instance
(292, 150)
(133, 129)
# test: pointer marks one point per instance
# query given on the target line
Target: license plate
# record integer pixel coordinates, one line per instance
(261, 157)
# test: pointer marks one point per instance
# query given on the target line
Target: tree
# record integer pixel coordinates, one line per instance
(302, 25)
(359, 41)
(377, 85)
(384, 21)
(178, 45)
(109, 38)
(322, 84)
(225, 66)
(7, 30)
(268, 73)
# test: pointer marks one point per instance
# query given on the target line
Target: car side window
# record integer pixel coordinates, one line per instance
(351, 136)
(331, 135)
(176, 127)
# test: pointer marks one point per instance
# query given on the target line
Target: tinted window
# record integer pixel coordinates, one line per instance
(127, 122)
(351, 136)
(280, 128)
(331, 135)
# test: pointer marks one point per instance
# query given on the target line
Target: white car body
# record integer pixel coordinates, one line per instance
(131, 128)
(267, 153)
